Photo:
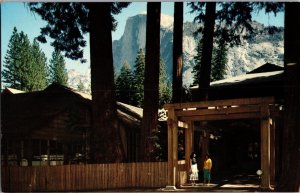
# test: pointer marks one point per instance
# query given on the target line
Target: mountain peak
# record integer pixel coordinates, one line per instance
(258, 50)
(166, 21)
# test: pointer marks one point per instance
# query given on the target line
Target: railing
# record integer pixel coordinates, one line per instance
(84, 177)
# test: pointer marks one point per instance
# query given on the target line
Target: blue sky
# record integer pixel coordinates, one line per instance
(17, 14)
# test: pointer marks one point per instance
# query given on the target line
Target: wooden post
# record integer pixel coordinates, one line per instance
(29, 151)
(188, 146)
(6, 152)
(272, 151)
(265, 146)
(172, 149)
(48, 152)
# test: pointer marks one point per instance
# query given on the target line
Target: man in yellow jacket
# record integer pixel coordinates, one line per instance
(206, 169)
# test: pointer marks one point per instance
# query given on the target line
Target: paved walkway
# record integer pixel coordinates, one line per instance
(238, 183)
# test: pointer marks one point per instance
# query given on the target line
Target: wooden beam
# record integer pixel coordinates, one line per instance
(221, 117)
(265, 147)
(229, 102)
(222, 111)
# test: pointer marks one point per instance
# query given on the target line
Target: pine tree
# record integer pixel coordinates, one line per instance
(11, 65)
(219, 62)
(67, 33)
(39, 69)
(177, 87)
(151, 83)
(124, 84)
(138, 82)
(165, 91)
(24, 64)
(196, 68)
(58, 72)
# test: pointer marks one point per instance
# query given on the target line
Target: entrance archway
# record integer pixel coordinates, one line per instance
(184, 114)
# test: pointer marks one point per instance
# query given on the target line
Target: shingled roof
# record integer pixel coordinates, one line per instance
(24, 112)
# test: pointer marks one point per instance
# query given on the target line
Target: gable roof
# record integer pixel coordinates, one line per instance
(267, 67)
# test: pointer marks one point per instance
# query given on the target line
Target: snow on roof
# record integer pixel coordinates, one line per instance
(84, 95)
(14, 91)
(243, 78)
(136, 110)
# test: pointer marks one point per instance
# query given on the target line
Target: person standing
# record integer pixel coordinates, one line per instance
(207, 169)
(194, 169)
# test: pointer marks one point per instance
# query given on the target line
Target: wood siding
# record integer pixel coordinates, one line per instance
(84, 177)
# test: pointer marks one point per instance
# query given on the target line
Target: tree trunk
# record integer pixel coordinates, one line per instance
(151, 82)
(177, 53)
(207, 49)
(205, 71)
(106, 143)
(289, 178)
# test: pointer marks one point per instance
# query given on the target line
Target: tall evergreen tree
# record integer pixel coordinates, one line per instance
(58, 71)
(165, 91)
(139, 76)
(233, 19)
(67, 23)
(24, 64)
(289, 180)
(151, 83)
(39, 72)
(197, 59)
(219, 62)
(11, 72)
(205, 68)
(124, 84)
(178, 91)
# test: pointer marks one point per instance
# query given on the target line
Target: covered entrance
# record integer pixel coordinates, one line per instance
(263, 109)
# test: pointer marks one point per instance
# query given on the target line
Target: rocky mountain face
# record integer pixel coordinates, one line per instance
(262, 47)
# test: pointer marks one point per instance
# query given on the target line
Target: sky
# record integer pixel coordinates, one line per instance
(17, 14)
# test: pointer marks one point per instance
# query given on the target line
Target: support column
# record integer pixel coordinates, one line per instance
(29, 151)
(188, 145)
(48, 152)
(265, 147)
(172, 149)
(273, 152)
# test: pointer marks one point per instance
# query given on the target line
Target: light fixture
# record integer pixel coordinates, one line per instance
(259, 173)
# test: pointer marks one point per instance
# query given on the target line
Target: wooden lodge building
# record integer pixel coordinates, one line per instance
(52, 127)
(242, 132)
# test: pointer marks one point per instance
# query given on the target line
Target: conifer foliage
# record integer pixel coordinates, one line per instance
(130, 83)
(25, 66)
(58, 72)
(139, 73)
(165, 91)
(124, 85)
(219, 63)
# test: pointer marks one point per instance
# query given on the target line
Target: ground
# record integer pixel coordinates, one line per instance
(238, 183)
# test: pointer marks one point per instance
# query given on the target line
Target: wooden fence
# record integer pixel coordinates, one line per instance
(84, 177)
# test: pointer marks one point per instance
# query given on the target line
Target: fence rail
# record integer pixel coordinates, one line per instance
(84, 177)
